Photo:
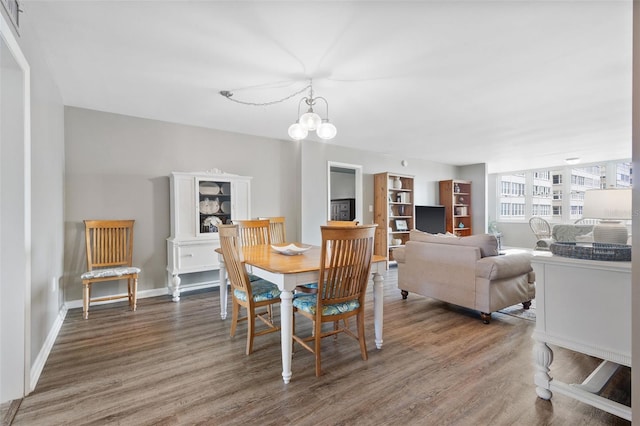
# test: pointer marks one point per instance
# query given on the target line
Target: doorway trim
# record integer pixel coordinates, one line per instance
(19, 357)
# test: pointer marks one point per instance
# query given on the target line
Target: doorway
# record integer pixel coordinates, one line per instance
(15, 219)
(344, 183)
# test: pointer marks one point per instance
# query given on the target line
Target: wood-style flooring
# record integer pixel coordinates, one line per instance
(175, 364)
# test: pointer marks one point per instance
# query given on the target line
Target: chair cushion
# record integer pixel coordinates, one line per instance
(253, 278)
(261, 289)
(110, 272)
(305, 289)
(307, 303)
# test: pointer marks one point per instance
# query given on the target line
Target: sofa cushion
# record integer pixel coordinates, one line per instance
(487, 243)
(502, 267)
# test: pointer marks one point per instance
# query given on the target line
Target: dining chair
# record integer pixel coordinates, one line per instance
(245, 293)
(253, 232)
(345, 265)
(342, 223)
(542, 230)
(277, 229)
(109, 249)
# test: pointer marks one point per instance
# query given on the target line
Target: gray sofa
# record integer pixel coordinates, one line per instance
(465, 271)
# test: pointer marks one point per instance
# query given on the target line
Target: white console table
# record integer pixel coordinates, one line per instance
(584, 306)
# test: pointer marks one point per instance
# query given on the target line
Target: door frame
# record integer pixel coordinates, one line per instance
(358, 186)
(15, 326)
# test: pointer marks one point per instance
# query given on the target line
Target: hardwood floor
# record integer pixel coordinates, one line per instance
(175, 364)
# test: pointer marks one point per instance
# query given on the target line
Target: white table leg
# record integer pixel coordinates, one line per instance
(377, 307)
(543, 358)
(286, 331)
(223, 289)
(175, 281)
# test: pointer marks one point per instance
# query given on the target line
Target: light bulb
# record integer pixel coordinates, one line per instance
(326, 130)
(297, 132)
(310, 120)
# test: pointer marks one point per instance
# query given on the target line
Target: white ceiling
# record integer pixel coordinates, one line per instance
(517, 84)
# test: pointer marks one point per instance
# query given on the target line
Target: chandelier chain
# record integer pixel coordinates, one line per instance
(229, 95)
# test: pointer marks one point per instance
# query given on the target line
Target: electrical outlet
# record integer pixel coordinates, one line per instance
(54, 284)
(370, 209)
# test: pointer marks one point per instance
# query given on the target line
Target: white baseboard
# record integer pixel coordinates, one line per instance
(154, 292)
(43, 355)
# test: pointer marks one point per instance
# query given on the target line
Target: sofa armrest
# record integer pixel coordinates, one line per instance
(501, 267)
(399, 254)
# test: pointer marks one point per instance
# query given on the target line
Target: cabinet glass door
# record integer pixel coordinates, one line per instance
(214, 204)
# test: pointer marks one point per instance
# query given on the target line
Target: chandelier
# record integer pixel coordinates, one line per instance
(308, 122)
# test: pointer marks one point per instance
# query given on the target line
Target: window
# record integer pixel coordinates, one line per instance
(540, 192)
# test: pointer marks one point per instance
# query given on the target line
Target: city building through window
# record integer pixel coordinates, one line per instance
(524, 194)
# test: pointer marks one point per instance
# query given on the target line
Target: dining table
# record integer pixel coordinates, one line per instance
(289, 271)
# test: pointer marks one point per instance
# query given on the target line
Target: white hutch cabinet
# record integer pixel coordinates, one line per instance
(199, 201)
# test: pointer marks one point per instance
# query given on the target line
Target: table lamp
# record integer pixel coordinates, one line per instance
(612, 207)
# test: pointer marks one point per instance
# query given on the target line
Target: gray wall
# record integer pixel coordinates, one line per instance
(118, 167)
(477, 173)
(314, 157)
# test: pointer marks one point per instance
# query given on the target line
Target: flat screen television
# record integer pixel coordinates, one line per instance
(430, 219)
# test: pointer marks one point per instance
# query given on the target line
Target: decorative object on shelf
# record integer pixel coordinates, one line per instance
(209, 188)
(401, 225)
(396, 241)
(593, 251)
(290, 249)
(208, 206)
(461, 225)
(212, 223)
(309, 121)
(460, 200)
(612, 206)
(397, 183)
(456, 188)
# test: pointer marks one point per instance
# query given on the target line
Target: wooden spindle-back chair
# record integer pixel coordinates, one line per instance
(278, 232)
(345, 265)
(245, 293)
(253, 232)
(109, 245)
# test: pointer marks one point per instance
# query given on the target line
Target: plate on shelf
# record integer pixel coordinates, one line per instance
(209, 206)
(209, 188)
(225, 207)
(290, 249)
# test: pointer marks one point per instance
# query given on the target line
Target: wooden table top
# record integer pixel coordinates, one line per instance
(265, 257)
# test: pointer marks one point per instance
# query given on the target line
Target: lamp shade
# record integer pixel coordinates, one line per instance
(310, 120)
(607, 204)
(297, 132)
(326, 130)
